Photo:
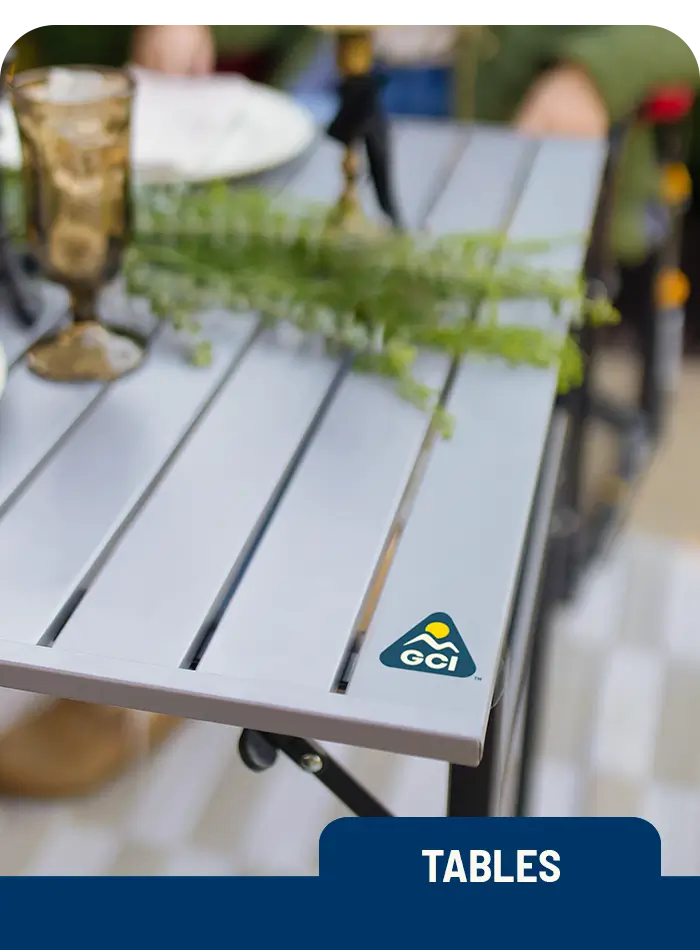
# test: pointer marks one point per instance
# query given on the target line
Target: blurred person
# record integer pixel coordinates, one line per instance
(547, 80)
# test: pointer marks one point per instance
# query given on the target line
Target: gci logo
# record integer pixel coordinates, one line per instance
(432, 646)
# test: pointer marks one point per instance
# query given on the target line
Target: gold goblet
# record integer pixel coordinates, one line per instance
(75, 130)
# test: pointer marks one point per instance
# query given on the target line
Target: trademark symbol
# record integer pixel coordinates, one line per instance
(477, 679)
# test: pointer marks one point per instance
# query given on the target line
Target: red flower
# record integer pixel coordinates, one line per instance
(668, 105)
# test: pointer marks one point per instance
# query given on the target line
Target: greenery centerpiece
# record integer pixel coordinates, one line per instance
(382, 297)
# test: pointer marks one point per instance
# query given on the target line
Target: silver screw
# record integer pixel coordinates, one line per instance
(311, 763)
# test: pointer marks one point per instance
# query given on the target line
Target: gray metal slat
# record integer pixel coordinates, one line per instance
(53, 533)
(521, 632)
(465, 535)
(424, 156)
(35, 415)
(16, 338)
(157, 588)
(305, 589)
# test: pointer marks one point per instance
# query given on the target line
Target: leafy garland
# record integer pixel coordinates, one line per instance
(383, 297)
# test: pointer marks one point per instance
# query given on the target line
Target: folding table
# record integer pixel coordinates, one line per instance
(242, 543)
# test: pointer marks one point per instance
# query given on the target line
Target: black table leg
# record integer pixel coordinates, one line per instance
(553, 580)
(570, 513)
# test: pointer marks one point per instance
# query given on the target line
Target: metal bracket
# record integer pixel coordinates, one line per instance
(259, 751)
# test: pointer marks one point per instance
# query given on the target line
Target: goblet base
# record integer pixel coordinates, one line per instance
(87, 352)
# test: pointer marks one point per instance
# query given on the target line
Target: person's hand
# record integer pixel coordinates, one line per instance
(177, 50)
(564, 102)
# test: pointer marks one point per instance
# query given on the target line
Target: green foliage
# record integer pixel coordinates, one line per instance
(383, 296)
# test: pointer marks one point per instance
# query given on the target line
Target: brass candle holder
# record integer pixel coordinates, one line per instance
(355, 57)
(75, 130)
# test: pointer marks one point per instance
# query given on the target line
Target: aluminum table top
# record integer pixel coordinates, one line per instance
(234, 518)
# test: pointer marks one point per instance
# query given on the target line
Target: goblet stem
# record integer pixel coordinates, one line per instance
(82, 306)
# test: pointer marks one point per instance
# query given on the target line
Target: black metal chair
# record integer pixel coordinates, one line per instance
(659, 293)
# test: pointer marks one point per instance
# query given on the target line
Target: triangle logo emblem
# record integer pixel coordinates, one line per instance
(434, 645)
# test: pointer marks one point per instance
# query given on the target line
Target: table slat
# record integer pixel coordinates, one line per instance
(155, 592)
(529, 590)
(51, 535)
(14, 337)
(424, 156)
(35, 415)
(465, 534)
(305, 588)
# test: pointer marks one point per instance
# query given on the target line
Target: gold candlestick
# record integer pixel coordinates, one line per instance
(355, 57)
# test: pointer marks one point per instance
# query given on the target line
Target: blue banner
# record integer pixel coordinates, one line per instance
(568, 883)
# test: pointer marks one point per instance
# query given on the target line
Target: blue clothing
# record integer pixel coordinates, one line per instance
(409, 91)
(423, 92)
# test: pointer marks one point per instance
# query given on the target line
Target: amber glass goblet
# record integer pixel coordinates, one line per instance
(75, 130)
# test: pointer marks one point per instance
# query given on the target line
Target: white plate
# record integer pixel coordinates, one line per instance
(3, 369)
(199, 129)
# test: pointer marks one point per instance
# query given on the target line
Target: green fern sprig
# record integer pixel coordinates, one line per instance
(384, 297)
